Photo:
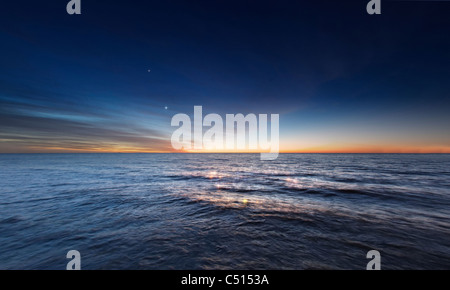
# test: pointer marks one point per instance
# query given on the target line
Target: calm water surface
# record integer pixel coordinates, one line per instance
(224, 211)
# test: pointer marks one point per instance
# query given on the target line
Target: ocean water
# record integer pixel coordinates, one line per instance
(224, 211)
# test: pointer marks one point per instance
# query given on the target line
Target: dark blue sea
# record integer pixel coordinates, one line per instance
(224, 211)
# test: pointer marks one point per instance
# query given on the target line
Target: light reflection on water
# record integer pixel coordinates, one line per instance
(224, 211)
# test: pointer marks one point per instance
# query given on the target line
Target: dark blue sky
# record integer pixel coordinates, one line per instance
(341, 80)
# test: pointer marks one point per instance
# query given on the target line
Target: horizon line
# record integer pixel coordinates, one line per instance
(162, 152)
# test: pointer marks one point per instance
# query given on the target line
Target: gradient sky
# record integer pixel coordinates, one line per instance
(341, 80)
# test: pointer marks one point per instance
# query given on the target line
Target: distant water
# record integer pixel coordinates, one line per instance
(224, 211)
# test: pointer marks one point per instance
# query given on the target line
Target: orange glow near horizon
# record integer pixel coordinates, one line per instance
(312, 150)
(372, 149)
(288, 147)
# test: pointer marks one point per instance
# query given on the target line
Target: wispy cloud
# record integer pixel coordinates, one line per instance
(30, 122)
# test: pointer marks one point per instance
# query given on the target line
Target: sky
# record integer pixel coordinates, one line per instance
(111, 79)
